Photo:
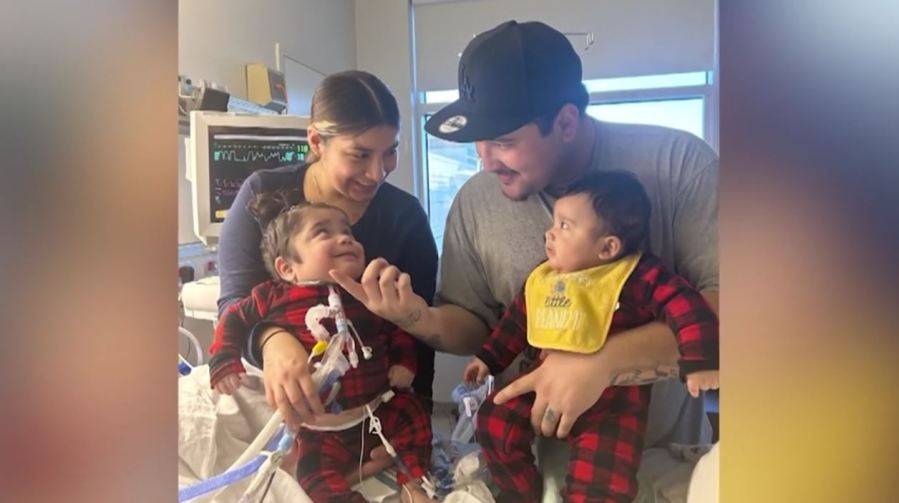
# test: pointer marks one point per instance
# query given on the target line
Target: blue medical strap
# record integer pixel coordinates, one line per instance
(282, 440)
(213, 483)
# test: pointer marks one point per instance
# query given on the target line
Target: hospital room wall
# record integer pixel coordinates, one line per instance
(383, 47)
(647, 37)
(217, 38)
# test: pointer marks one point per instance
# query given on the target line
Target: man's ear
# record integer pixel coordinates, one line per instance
(567, 121)
(315, 141)
(285, 269)
(609, 247)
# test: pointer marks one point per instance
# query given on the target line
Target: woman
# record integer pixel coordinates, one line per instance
(353, 143)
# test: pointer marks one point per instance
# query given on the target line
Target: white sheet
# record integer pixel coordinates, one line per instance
(214, 429)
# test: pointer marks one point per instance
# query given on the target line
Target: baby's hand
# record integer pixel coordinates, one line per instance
(703, 380)
(229, 384)
(475, 372)
(400, 377)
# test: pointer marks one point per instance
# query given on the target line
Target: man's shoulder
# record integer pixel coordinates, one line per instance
(649, 134)
(630, 142)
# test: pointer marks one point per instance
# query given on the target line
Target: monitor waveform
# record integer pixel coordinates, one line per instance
(257, 156)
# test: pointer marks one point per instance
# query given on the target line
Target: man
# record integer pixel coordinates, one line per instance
(522, 102)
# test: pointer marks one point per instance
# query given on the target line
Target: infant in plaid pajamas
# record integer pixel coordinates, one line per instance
(596, 282)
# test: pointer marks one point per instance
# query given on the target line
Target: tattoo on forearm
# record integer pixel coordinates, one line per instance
(410, 320)
(639, 377)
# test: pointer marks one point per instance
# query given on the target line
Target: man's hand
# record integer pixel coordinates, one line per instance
(566, 384)
(703, 380)
(385, 291)
(400, 377)
(475, 372)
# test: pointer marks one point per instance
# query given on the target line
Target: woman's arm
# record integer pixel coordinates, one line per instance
(239, 259)
(288, 378)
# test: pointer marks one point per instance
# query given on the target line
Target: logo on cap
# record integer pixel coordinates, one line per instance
(453, 124)
(466, 90)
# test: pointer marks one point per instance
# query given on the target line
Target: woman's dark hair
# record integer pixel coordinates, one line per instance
(620, 200)
(280, 215)
(351, 102)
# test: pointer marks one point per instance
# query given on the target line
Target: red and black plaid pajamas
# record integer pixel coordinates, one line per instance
(327, 458)
(607, 440)
(405, 422)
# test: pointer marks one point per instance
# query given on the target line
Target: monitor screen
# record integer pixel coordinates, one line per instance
(225, 148)
(234, 153)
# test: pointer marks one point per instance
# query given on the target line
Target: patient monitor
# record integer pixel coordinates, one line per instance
(225, 148)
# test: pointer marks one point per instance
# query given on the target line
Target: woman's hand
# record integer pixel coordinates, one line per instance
(288, 381)
(385, 291)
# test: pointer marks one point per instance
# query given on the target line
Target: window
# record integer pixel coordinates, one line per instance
(686, 114)
(680, 101)
(448, 166)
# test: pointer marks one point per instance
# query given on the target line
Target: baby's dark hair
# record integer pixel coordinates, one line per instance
(621, 201)
(280, 215)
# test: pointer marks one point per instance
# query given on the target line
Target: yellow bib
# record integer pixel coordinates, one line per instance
(573, 311)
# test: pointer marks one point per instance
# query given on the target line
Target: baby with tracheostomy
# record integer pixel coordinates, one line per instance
(300, 245)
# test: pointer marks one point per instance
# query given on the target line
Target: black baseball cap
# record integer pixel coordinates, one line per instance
(509, 76)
